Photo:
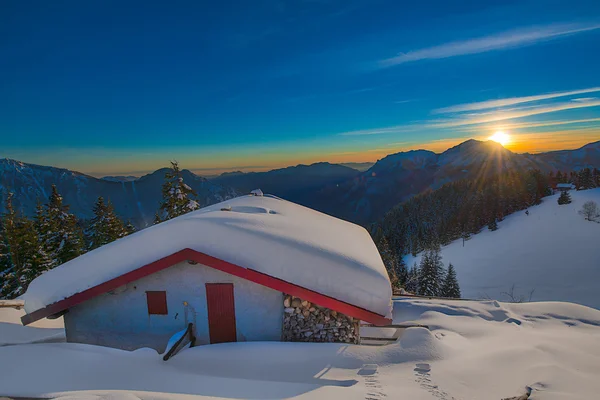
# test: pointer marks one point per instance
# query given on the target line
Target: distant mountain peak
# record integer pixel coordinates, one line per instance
(119, 178)
(477, 144)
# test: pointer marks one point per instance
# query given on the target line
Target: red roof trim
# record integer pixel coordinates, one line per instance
(216, 263)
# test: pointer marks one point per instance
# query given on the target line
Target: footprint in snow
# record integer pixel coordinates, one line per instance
(369, 371)
(422, 372)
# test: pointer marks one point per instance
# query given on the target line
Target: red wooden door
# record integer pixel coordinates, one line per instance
(221, 312)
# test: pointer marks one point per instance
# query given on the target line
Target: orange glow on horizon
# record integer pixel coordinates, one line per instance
(259, 161)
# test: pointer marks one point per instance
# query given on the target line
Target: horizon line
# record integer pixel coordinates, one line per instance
(220, 171)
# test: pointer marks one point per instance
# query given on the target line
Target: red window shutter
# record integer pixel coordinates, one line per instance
(157, 302)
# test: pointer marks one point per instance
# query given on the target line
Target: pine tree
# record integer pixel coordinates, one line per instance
(586, 179)
(35, 259)
(412, 283)
(402, 273)
(28, 258)
(157, 219)
(431, 273)
(177, 197)
(450, 288)
(493, 225)
(7, 279)
(63, 238)
(559, 177)
(390, 261)
(42, 228)
(564, 198)
(105, 227)
(129, 228)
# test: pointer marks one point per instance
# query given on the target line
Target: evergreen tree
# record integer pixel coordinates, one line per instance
(431, 273)
(35, 260)
(42, 229)
(450, 287)
(7, 279)
(564, 198)
(493, 225)
(586, 179)
(63, 238)
(412, 283)
(105, 227)
(129, 228)
(402, 273)
(28, 258)
(157, 219)
(177, 197)
(389, 258)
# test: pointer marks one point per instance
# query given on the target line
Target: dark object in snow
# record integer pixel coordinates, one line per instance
(527, 212)
(188, 337)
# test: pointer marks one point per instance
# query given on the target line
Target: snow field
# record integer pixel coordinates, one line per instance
(474, 350)
(553, 251)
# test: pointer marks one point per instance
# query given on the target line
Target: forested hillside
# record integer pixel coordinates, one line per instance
(461, 209)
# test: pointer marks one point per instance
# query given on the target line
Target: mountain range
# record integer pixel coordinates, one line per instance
(134, 200)
(399, 176)
(348, 193)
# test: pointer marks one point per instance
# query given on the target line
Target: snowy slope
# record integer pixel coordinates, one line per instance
(553, 251)
(266, 234)
(12, 332)
(475, 350)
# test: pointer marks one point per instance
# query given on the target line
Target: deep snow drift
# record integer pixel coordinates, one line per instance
(475, 350)
(42, 331)
(553, 251)
(270, 235)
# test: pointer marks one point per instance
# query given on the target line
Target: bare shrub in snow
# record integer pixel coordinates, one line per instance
(514, 297)
(590, 210)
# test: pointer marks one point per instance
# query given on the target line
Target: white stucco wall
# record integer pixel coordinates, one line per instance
(121, 319)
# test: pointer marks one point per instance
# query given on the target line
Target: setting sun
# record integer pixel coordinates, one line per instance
(500, 137)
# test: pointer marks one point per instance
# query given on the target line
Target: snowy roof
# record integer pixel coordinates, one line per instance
(273, 236)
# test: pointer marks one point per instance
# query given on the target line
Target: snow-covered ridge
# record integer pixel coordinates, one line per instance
(269, 235)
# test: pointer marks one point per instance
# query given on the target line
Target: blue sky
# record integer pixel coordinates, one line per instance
(114, 87)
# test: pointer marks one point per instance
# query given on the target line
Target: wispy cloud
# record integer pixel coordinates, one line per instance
(527, 125)
(584, 99)
(379, 131)
(513, 113)
(483, 105)
(405, 101)
(458, 118)
(499, 41)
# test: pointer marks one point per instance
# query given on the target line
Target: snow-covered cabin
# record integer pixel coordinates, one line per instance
(254, 268)
(564, 187)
